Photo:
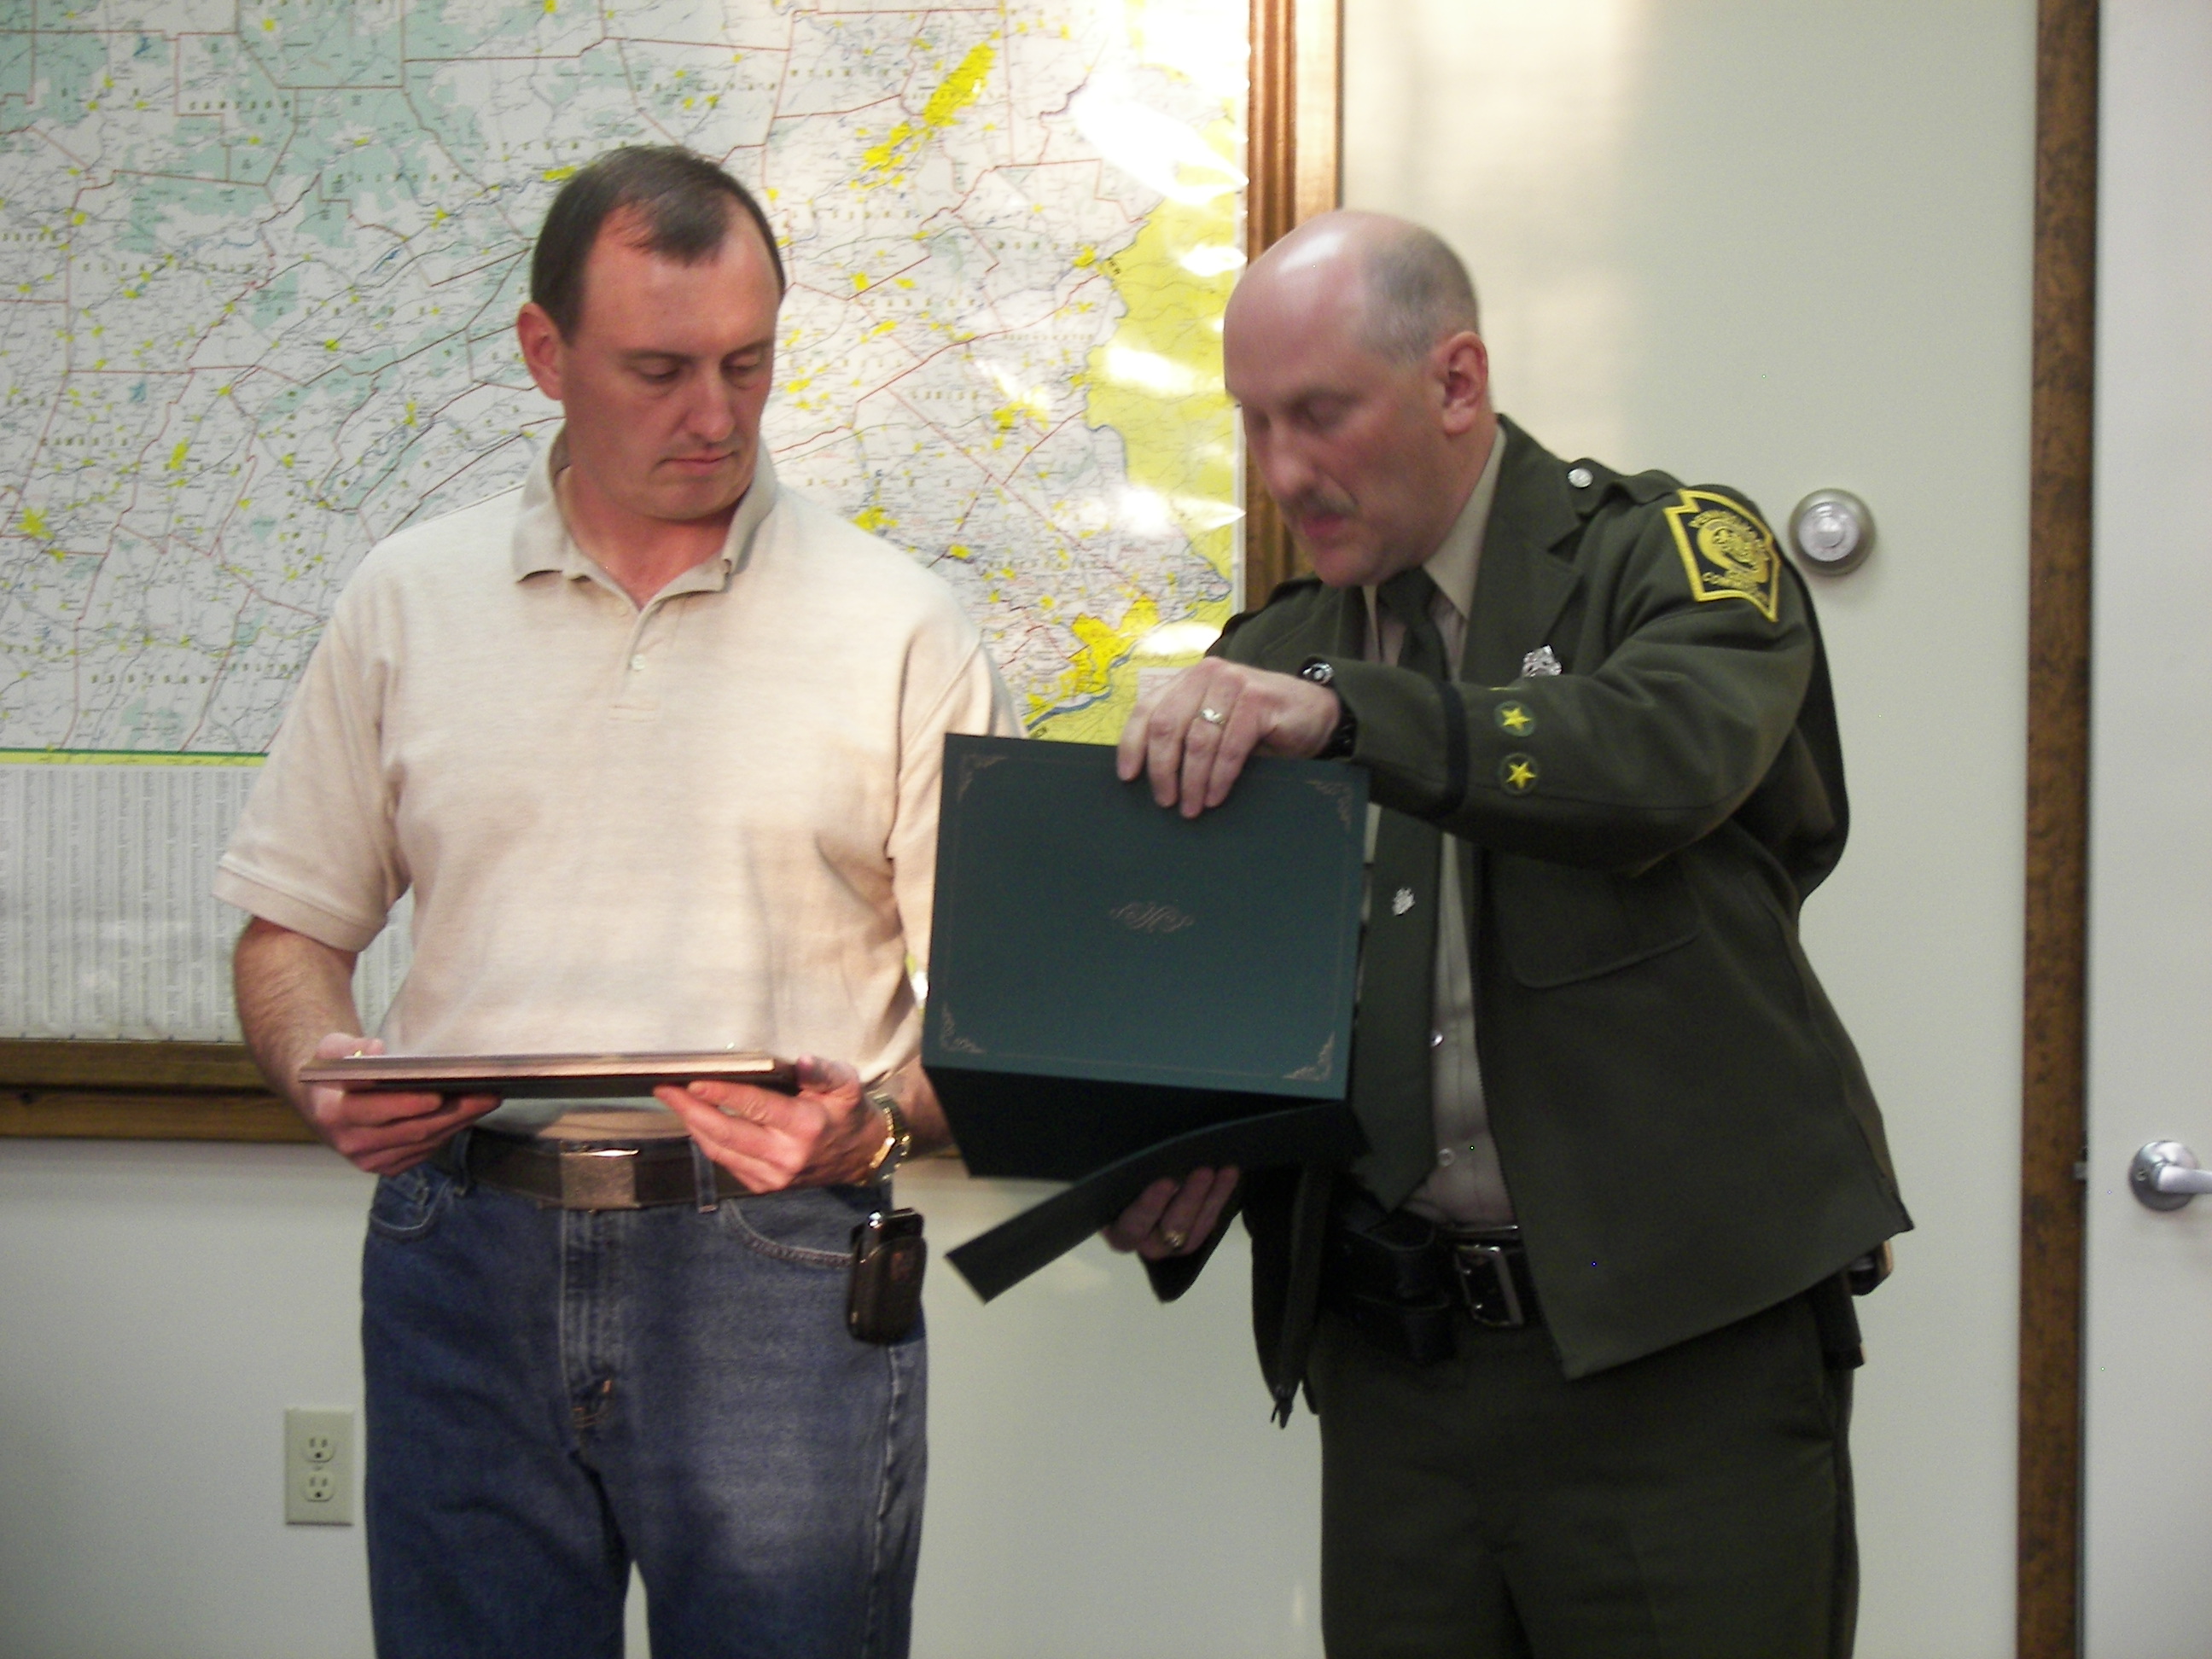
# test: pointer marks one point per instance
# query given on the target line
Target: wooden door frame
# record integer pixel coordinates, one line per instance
(1296, 145)
(2053, 1129)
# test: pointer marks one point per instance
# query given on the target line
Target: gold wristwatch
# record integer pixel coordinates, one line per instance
(898, 1137)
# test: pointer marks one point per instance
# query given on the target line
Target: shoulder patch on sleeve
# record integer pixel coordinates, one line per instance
(1727, 550)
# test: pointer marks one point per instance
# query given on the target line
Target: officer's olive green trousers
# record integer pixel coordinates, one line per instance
(1696, 1503)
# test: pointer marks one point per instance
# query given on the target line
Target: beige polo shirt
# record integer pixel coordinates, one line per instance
(1466, 1188)
(710, 822)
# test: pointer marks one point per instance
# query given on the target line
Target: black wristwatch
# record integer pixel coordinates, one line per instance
(1341, 741)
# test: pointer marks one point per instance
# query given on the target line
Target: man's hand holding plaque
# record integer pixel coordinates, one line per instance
(827, 1133)
(383, 1131)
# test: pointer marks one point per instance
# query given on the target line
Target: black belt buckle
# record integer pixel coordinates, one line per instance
(1485, 1275)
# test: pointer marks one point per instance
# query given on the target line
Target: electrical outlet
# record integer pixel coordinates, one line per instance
(318, 1469)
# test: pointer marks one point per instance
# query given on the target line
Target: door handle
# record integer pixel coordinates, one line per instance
(2165, 1176)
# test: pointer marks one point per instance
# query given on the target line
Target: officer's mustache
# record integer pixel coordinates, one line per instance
(1315, 501)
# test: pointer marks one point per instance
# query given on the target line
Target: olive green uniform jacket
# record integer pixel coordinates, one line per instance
(1685, 1127)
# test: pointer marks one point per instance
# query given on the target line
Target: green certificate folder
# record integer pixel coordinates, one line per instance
(1116, 992)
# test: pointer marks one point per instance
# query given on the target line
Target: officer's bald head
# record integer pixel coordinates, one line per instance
(1350, 349)
(1399, 283)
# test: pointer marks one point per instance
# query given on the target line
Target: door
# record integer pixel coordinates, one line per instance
(2148, 1382)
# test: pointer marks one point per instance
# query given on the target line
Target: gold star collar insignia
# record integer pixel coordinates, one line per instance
(1515, 717)
(1518, 772)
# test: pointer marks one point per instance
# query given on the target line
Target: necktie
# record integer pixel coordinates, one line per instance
(1390, 1078)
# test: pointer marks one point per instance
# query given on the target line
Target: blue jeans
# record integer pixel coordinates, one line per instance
(553, 1394)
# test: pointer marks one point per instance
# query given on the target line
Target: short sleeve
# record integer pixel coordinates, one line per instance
(973, 700)
(315, 850)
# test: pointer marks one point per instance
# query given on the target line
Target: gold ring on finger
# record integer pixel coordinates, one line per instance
(1174, 1239)
(1213, 716)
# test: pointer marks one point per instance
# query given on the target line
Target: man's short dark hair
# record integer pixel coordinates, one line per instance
(683, 205)
(1417, 292)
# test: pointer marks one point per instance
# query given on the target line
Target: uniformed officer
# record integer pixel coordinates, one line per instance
(1576, 1325)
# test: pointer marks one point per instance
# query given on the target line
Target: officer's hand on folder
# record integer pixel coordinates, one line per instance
(1193, 737)
(1173, 1218)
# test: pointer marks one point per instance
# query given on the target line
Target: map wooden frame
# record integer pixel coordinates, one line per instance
(212, 1090)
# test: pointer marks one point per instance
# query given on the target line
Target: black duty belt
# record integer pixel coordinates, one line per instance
(1410, 1286)
(589, 1174)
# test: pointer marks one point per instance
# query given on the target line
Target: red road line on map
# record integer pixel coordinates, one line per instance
(1004, 484)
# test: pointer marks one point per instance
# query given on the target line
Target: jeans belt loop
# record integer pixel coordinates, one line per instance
(1470, 1259)
(704, 1178)
(454, 1157)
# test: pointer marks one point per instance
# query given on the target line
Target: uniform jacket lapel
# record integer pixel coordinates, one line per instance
(1519, 591)
(1521, 588)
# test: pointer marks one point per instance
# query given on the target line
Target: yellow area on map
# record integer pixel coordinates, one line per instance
(1158, 382)
(957, 91)
(124, 757)
(1096, 671)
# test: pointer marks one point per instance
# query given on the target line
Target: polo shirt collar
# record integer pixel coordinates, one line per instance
(542, 540)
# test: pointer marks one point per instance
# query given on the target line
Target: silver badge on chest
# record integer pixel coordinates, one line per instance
(1539, 663)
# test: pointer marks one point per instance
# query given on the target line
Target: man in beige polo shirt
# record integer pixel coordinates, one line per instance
(655, 745)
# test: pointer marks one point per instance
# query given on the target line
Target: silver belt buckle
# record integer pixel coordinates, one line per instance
(1472, 1258)
(598, 1178)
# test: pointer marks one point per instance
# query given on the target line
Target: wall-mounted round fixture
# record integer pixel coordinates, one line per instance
(1831, 531)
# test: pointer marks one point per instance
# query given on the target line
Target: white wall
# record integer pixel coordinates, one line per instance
(1780, 246)
(1784, 245)
(1104, 1480)
(160, 1306)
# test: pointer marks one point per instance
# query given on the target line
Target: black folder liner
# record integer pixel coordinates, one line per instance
(1000, 1258)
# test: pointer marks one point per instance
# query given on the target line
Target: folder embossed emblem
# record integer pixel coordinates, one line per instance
(1139, 917)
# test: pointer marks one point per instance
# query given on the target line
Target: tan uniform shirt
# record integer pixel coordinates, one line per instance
(708, 821)
(1466, 1188)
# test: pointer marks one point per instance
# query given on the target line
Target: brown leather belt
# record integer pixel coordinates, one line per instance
(588, 1175)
